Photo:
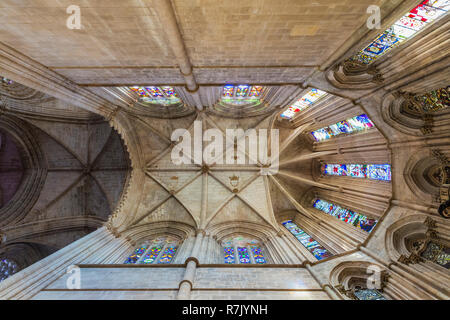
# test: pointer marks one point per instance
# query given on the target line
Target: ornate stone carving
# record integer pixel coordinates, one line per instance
(438, 155)
(430, 223)
(412, 259)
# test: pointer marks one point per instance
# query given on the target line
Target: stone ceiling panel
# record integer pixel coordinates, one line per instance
(114, 33)
(171, 210)
(269, 32)
(236, 210)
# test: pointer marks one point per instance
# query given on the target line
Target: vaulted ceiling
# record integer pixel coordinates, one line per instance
(124, 41)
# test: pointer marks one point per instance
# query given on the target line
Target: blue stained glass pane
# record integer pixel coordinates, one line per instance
(357, 170)
(305, 239)
(379, 172)
(336, 169)
(356, 219)
(136, 255)
(242, 90)
(155, 92)
(258, 255)
(335, 129)
(168, 254)
(228, 91)
(156, 95)
(344, 127)
(306, 101)
(355, 124)
(371, 171)
(170, 92)
(369, 294)
(229, 255)
(151, 255)
(243, 255)
(403, 29)
(255, 91)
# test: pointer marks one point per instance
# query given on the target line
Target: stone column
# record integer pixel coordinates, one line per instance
(187, 283)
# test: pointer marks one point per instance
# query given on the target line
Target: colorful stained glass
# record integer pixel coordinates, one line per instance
(242, 90)
(435, 100)
(309, 99)
(241, 94)
(244, 257)
(437, 253)
(7, 268)
(258, 255)
(335, 169)
(169, 91)
(369, 294)
(136, 255)
(356, 219)
(357, 170)
(229, 255)
(156, 95)
(307, 241)
(256, 91)
(155, 92)
(403, 29)
(151, 255)
(168, 254)
(355, 124)
(228, 91)
(379, 172)
(369, 171)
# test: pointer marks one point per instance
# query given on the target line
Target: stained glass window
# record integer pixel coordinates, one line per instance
(352, 125)
(242, 250)
(152, 254)
(435, 100)
(403, 29)
(229, 254)
(307, 241)
(438, 254)
(160, 250)
(168, 254)
(369, 171)
(379, 172)
(136, 255)
(156, 95)
(7, 268)
(368, 294)
(308, 100)
(241, 94)
(356, 219)
(258, 255)
(244, 257)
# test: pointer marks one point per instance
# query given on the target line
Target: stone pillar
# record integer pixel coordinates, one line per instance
(185, 288)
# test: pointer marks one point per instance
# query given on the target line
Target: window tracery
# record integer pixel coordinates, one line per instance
(306, 101)
(424, 14)
(240, 250)
(307, 241)
(356, 124)
(160, 250)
